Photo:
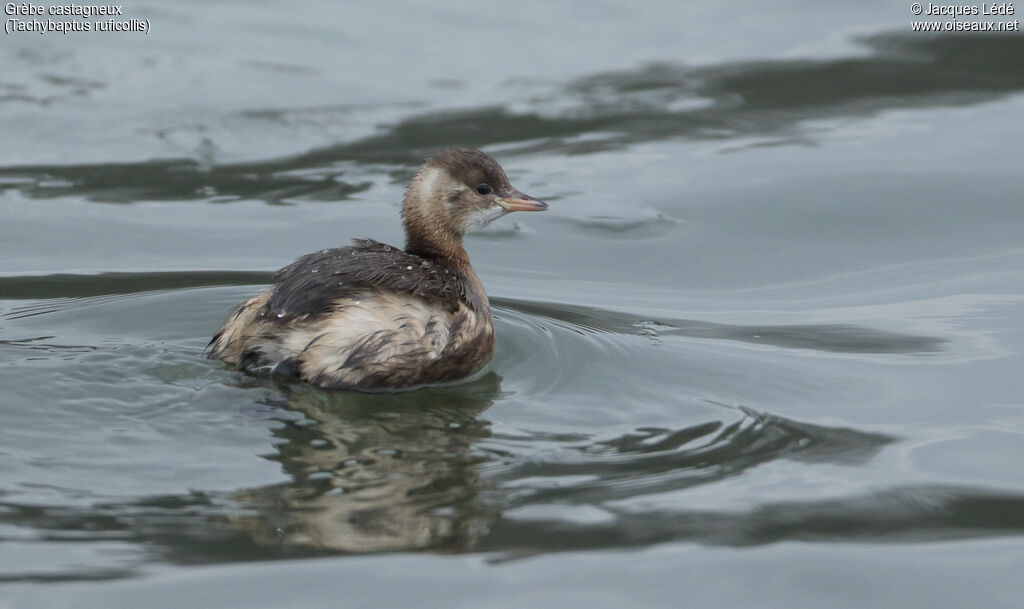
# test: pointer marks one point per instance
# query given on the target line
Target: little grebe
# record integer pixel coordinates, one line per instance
(371, 316)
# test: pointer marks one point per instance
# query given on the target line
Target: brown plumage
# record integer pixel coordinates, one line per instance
(371, 316)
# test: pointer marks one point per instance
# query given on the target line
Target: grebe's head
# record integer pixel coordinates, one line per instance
(457, 191)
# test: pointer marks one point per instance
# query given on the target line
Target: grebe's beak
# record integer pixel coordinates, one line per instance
(517, 201)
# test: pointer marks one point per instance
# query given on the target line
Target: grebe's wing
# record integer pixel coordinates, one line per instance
(311, 285)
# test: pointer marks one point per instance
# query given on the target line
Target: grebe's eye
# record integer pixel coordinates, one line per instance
(484, 189)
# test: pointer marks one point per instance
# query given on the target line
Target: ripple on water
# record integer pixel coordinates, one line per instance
(651, 460)
(621, 221)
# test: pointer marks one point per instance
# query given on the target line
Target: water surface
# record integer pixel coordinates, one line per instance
(765, 347)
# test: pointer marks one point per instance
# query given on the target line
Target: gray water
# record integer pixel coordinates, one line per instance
(765, 349)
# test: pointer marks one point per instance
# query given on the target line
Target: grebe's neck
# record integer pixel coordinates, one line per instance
(434, 233)
(430, 231)
(435, 245)
(449, 253)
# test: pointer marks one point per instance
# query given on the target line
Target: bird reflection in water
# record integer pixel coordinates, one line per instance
(374, 472)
